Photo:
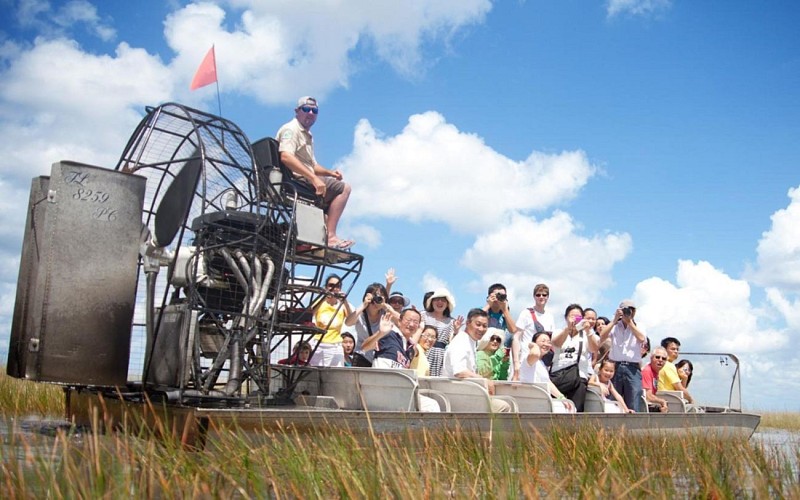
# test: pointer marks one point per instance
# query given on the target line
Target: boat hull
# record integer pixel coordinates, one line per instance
(192, 425)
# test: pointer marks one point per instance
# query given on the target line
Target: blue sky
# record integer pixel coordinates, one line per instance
(612, 149)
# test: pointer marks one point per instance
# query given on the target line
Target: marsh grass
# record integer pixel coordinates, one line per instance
(23, 397)
(134, 462)
(781, 420)
(418, 464)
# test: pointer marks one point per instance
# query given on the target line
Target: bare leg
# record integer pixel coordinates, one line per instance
(335, 213)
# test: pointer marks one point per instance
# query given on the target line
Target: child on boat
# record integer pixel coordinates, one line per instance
(602, 379)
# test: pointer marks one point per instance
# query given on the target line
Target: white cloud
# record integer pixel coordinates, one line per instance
(431, 171)
(778, 251)
(526, 251)
(54, 22)
(636, 7)
(708, 311)
(431, 282)
(276, 45)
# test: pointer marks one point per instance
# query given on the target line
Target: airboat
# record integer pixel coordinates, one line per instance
(195, 262)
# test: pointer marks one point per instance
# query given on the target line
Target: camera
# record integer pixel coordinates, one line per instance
(627, 311)
(501, 297)
(377, 299)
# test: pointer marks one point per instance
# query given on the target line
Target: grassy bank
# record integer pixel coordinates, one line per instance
(333, 463)
(408, 465)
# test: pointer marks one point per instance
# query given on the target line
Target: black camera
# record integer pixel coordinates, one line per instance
(377, 299)
(627, 311)
(501, 297)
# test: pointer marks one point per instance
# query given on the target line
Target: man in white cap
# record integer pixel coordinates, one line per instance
(297, 153)
(626, 352)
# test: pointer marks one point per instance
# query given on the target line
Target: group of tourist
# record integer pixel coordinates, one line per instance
(590, 351)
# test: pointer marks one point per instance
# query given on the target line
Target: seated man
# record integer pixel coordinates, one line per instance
(297, 153)
(649, 379)
(668, 377)
(460, 359)
(395, 349)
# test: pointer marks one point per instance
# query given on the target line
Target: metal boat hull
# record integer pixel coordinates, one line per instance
(193, 425)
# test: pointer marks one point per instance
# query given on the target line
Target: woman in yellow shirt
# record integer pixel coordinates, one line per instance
(329, 315)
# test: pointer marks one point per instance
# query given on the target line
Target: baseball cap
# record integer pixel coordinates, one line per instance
(307, 101)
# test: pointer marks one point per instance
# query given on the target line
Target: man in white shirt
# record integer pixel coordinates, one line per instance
(460, 358)
(626, 352)
(529, 322)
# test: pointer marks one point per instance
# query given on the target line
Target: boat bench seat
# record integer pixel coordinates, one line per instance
(675, 401)
(530, 398)
(596, 403)
(373, 389)
(463, 395)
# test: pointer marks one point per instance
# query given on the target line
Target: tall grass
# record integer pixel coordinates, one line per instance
(412, 464)
(22, 397)
(781, 420)
(588, 462)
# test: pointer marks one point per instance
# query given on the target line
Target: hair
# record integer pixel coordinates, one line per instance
(348, 335)
(657, 349)
(666, 341)
(494, 287)
(476, 311)
(586, 311)
(429, 327)
(303, 344)
(603, 362)
(409, 309)
(426, 297)
(373, 288)
(571, 307)
(680, 364)
(539, 334)
(331, 276)
(541, 287)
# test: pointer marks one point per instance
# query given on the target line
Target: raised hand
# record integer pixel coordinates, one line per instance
(390, 277)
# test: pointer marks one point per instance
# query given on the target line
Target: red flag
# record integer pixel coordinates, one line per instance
(207, 72)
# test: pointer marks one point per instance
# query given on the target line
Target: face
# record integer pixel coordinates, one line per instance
(590, 317)
(658, 359)
(409, 323)
(544, 343)
(334, 286)
(673, 350)
(494, 343)
(306, 118)
(428, 338)
(684, 372)
(397, 304)
(599, 324)
(304, 354)
(606, 372)
(477, 327)
(348, 345)
(573, 313)
(540, 297)
(439, 304)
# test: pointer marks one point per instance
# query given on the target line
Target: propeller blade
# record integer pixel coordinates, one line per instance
(174, 206)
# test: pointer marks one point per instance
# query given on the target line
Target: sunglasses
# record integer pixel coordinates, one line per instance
(495, 339)
(542, 295)
(661, 358)
(334, 285)
(309, 109)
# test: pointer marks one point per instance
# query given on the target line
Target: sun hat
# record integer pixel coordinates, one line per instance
(487, 337)
(627, 303)
(406, 300)
(441, 293)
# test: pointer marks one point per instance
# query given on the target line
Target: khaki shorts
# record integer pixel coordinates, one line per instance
(333, 188)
